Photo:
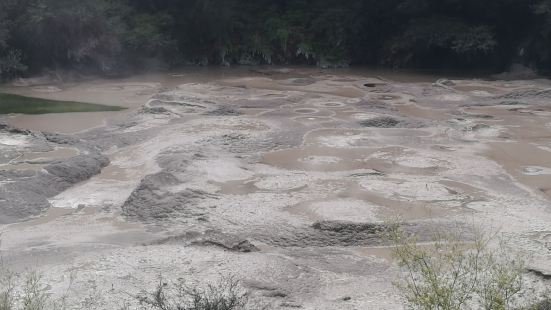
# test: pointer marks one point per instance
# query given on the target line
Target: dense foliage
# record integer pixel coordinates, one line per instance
(115, 35)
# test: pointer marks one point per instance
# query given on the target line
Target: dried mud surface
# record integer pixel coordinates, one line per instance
(282, 178)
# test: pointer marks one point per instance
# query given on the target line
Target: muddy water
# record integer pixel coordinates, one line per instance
(131, 93)
(333, 101)
(134, 91)
(335, 96)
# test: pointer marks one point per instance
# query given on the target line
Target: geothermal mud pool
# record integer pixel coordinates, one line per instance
(281, 178)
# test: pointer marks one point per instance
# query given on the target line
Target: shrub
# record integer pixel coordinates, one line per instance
(453, 274)
(31, 297)
(227, 294)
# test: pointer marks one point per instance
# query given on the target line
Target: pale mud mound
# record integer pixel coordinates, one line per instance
(26, 193)
(76, 169)
(152, 202)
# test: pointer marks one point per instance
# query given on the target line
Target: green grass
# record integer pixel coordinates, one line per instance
(28, 105)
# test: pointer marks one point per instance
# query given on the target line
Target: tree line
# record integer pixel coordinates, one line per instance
(113, 36)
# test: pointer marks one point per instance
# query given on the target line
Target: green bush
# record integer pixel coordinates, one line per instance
(32, 295)
(455, 273)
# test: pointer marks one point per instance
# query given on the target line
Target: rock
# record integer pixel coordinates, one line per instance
(381, 122)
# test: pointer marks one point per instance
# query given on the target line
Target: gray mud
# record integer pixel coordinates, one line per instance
(285, 178)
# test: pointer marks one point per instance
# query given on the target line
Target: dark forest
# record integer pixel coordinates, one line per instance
(110, 36)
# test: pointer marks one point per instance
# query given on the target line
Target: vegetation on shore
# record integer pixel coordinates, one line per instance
(458, 272)
(30, 292)
(113, 36)
(226, 294)
(10, 103)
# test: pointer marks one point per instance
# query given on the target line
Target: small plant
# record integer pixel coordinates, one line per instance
(452, 274)
(34, 293)
(227, 294)
(7, 290)
(28, 291)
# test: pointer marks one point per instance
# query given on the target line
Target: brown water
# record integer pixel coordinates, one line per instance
(133, 92)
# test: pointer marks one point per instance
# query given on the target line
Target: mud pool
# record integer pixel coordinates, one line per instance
(297, 162)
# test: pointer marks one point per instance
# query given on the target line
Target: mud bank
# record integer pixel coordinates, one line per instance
(284, 180)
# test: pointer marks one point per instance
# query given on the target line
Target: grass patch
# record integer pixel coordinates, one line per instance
(28, 105)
